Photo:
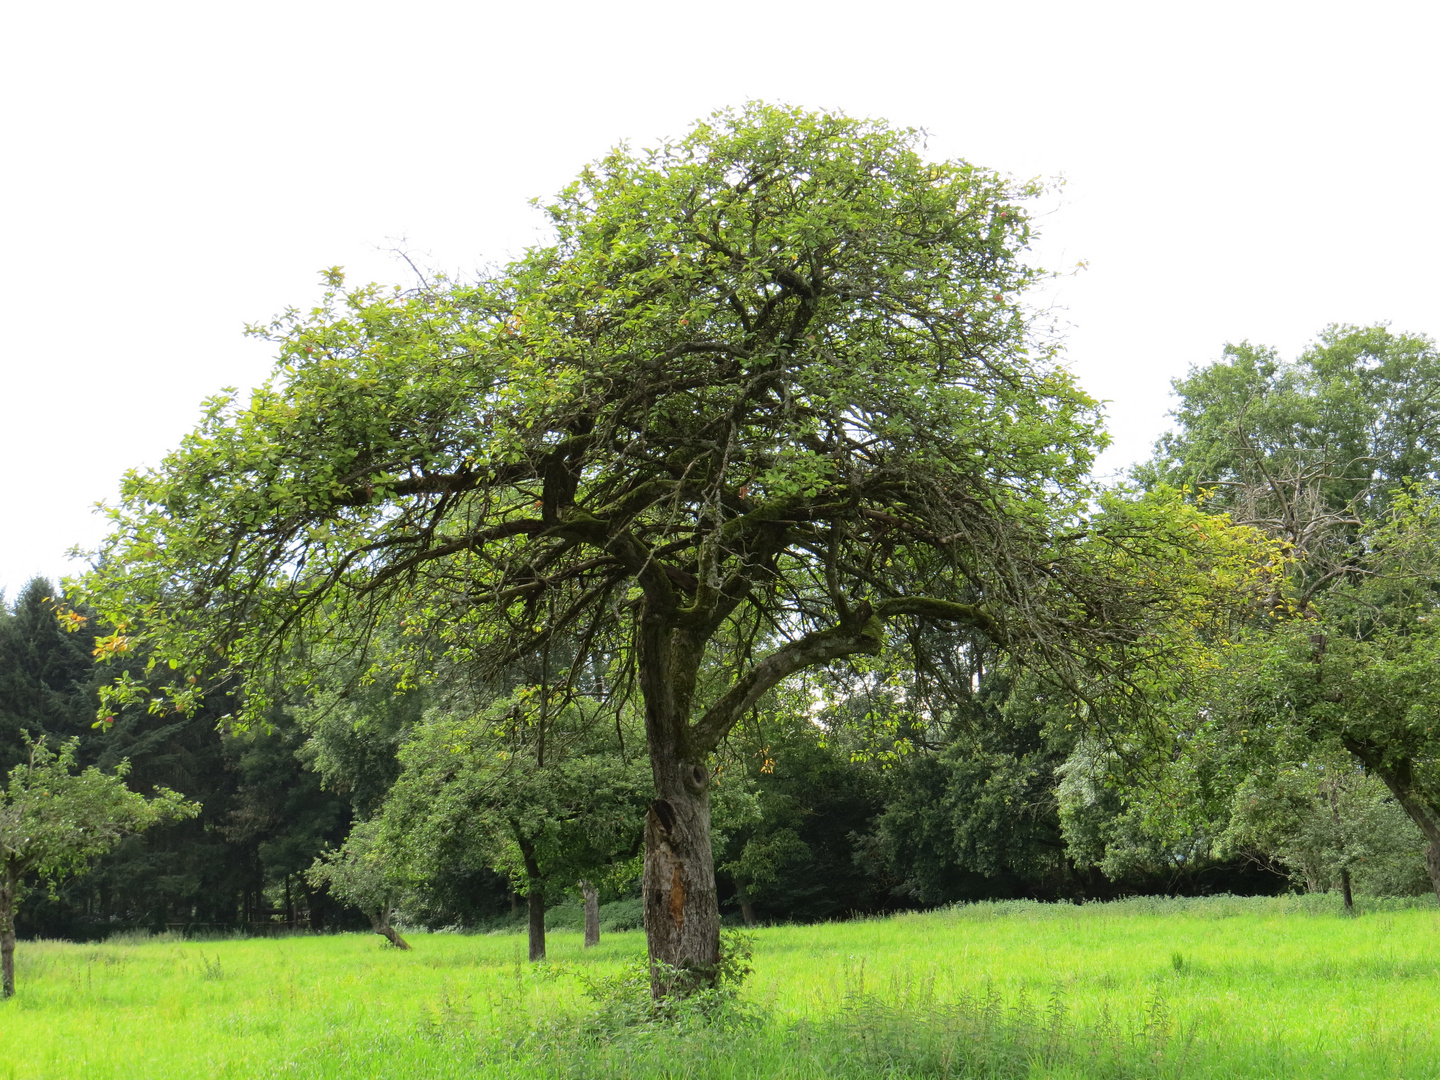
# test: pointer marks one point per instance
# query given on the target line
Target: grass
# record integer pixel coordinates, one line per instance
(1223, 987)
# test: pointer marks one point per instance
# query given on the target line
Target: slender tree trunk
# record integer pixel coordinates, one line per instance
(1340, 832)
(592, 913)
(536, 898)
(534, 894)
(9, 888)
(314, 908)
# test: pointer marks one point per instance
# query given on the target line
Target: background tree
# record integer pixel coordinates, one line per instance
(53, 819)
(770, 389)
(545, 796)
(185, 870)
(1334, 826)
(1324, 453)
(978, 813)
(47, 676)
(368, 873)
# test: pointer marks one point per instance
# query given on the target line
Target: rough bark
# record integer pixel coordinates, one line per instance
(8, 888)
(592, 913)
(682, 911)
(1345, 889)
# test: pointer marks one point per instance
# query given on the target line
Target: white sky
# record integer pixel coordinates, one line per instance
(169, 172)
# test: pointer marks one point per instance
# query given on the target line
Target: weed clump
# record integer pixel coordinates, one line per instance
(699, 999)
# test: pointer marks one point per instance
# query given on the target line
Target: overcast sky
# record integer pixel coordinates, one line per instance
(170, 172)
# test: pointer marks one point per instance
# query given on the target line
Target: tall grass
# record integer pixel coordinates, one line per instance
(1222, 987)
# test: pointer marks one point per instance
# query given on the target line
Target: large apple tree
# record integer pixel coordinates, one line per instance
(770, 390)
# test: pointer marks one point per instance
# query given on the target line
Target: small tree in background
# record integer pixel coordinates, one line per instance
(366, 873)
(53, 819)
(1333, 826)
(544, 796)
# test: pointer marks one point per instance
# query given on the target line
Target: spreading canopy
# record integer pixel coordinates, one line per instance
(773, 376)
(770, 388)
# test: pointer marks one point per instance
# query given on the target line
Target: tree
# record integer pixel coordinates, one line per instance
(543, 796)
(770, 390)
(47, 676)
(53, 819)
(1332, 454)
(1333, 826)
(979, 813)
(368, 873)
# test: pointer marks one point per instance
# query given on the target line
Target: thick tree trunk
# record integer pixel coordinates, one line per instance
(682, 911)
(9, 886)
(1345, 888)
(592, 913)
(536, 898)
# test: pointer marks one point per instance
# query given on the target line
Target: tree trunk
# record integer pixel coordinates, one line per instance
(314, 908)
(536, 898)
(9, 887)
(682, 911)
(1432, 864)
(747, 910)
(380, 920)
(592, 913)
(1399, 777)
(1340, 831)
(534, 893)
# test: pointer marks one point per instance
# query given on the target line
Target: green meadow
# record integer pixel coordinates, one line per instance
(1219, 987)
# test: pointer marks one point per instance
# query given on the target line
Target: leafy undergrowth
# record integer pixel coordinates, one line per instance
(1149, 988)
